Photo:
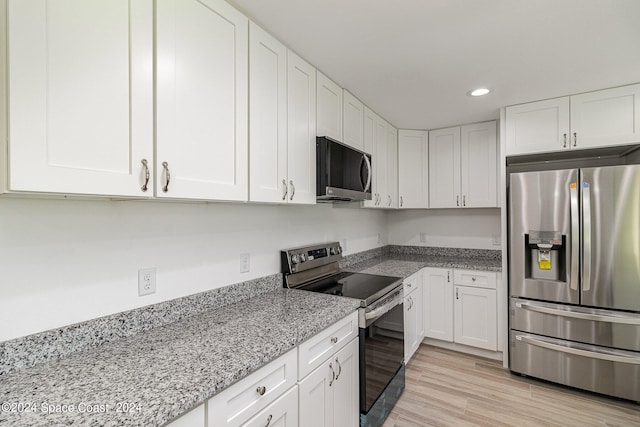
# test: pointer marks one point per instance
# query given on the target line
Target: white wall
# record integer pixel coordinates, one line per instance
(450, 228)
(66, 261)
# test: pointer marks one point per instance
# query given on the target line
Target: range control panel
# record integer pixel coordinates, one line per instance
(304, 258)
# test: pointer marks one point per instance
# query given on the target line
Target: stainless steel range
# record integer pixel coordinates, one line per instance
(382, 372)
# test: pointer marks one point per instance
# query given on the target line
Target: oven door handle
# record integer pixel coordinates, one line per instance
(382, 310)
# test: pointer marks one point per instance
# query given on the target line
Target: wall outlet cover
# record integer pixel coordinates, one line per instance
(146, 281)
(423, 237)
(244, 263)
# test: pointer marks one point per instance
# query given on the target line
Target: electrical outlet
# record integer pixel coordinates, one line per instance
(379, 239)
(146, 281)
(423, 237)
(244, 263)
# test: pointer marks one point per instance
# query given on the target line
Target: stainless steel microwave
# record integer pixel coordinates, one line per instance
(343, 173)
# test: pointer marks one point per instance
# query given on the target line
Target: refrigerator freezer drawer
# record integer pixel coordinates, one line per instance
(606, 328)
(598, 369)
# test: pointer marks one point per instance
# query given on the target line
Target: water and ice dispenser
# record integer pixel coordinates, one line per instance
(545, 255)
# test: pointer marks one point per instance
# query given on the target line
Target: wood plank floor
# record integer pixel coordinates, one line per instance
(446, 388)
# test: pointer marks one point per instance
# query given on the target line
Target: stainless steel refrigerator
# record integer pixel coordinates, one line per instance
(574, 277)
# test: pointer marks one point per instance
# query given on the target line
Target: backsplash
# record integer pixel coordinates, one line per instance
(444, 252)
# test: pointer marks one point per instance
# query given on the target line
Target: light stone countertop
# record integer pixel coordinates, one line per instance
(170, 369)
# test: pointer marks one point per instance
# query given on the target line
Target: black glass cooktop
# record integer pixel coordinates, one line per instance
(365, 287)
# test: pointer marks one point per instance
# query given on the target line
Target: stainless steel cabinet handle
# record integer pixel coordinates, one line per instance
(575, 139)
(574, 313)
(147, 174)
(268, 420)
(167, 175)
(448, 276)
(293, 190)
(334, 340)
(578, 351)
(575, 238)
(261, 390)
(586, 237)
(457, 294)
(401, 201)
(285, 189)
(464, 200)
(565, 140)
(457, 200)
(339, 368)
(333, 375)
(389, 204)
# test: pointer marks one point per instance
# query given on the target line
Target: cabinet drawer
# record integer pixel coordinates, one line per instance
(411, 283)
(478, 279)
(244, 399)
(313, 352)
(281, 413)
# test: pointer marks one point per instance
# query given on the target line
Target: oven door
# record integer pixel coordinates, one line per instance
(381, 349)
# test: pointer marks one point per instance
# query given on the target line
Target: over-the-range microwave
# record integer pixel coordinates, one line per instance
(343, 173)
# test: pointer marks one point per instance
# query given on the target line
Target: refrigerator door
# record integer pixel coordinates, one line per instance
(610, 201)
(544, 208)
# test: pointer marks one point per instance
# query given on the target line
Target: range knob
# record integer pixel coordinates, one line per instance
(339, 250)
(295, 259)
(303, 257)
(332, 251)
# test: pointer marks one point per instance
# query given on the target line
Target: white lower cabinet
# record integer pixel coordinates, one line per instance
(475, 317)
(413, 315)
(329, 394)
(281, 413)
(438, 303)
(240, 402)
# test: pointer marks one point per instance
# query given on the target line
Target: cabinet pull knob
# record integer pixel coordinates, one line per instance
(334, 340)
(333, 375)
(261, 390)
(457, 200)
(269, 418)
(167, 175)
(285, 189)
(293, 190)
(564, 135)
(147, 174)
(473, 279)
(339, 368)
(401, 201)
(575, 139)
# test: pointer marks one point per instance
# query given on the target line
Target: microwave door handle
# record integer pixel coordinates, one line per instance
(575, 237)
(586, 237)
(368, 184)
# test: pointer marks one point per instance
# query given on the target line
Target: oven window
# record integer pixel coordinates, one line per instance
(381, 355)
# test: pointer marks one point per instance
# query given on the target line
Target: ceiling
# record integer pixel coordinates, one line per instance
(413, 61)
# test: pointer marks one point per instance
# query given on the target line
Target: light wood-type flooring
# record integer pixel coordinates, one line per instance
(446, 388)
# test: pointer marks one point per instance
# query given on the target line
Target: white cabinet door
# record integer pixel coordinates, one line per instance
(369, 133)
(413, 168)
(606, 117)
(267, 117)
(392, 167)
(438, 303)
(381, 175)
(478, 165)
(444, 168)
(81, 105)
(353, 120)
(475, 317)
(316, 396)
(281, 413)
(202, 96)
(329, 108)
(538, 127)
(301, 137)
(346, 409)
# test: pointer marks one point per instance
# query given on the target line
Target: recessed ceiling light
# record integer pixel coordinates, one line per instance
(478, 92)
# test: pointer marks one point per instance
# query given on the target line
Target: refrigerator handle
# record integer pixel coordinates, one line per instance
(586, 236)
(575, 237)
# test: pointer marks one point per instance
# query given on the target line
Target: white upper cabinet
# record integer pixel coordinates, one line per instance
(381, 166)
(369, 133)
(301, 136)
(589, 120)
(81, 96)
(392, 167)
(538, 127)
(202, 96)
(479, 165)
(413, 168)
(329, 104)
(353, 120)
(463, 166)
(268, 175)
(444, 168)
(606, 117)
